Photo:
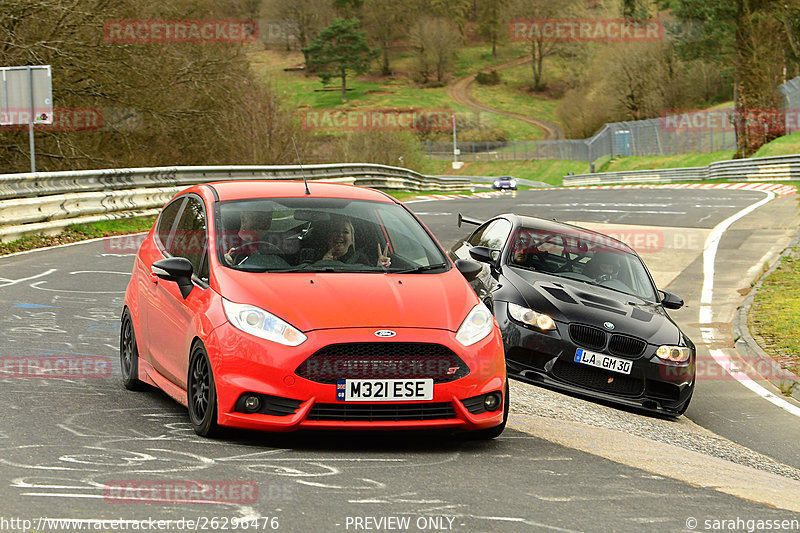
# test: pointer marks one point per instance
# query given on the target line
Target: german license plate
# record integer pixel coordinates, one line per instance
(380, 390)
(599, 360)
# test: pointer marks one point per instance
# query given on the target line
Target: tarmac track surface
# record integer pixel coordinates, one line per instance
(73, 448)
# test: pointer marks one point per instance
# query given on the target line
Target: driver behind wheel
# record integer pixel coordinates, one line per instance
(253, 236)
(603, 267)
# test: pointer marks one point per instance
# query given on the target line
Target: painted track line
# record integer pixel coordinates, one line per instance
(706, 313)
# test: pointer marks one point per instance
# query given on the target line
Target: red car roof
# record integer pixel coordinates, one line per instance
(244, 189)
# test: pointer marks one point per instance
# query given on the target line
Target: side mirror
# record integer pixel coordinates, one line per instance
(671, 301)
(485, 255)
(469, 269)
(177, 269)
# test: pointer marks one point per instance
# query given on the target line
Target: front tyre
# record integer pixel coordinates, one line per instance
(201, 394)
(129, 354)
(493, 433)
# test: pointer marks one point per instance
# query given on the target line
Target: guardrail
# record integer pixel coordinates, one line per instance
(47, 202)
(777, 168)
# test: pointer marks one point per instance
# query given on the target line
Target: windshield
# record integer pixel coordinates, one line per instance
(582, 256)
(323, 235)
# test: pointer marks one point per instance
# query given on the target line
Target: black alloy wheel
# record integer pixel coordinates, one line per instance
(129, 354)
(202, 394)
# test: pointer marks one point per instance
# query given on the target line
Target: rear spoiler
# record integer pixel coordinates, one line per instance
(462, 220)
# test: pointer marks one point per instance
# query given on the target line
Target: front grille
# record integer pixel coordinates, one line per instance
(587, 336)
(395, 412)
(626, 346)
(383, 360)
(595, 378)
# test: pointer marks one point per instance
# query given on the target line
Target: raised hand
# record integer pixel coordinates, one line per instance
(383, 256)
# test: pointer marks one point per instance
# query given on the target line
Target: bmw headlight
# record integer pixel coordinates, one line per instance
(531, 317)
(476, 326)
(256, 321)
(677, 354)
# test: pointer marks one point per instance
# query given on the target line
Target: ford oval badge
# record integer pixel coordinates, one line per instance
(385, 333)
(608, 325)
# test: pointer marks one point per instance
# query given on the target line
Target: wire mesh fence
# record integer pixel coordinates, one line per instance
(674, 133)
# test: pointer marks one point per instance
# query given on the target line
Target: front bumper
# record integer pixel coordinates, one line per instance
(547, 358)
(246, 364)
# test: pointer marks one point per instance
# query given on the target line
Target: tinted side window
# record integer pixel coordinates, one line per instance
(166, 220)
(190, 240)
(493, 235)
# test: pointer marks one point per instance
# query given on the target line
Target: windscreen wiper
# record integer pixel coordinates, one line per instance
(416, 270)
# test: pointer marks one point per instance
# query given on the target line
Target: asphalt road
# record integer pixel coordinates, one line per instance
(88, 449)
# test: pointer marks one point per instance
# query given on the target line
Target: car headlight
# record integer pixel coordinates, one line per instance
(476, 326)
(678, 354)
(531, 317)
(256, 321)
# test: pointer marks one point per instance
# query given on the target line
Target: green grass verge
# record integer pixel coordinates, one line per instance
(548, 171)
(775, 315)
(667, 161)
(786, 145)
(79, 232)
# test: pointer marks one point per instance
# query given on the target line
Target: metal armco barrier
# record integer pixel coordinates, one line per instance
(47, 202)
(778, 168)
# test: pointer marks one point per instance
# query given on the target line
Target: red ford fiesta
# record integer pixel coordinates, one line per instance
(269, 305)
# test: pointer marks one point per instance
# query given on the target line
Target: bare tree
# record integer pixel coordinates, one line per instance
(540, 46)
(188, 100)
(385, 21)
(307, 17)
(437, 41)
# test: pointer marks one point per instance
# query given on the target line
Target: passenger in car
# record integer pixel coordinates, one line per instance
(341, 245)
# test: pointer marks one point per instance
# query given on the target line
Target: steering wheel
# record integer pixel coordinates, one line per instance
(269, 248)
(256, 247)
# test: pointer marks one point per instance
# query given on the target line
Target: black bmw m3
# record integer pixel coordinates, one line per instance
(579, 312)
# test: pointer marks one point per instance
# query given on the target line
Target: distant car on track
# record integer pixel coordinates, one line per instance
(580, 312)
(236, 310)
(505, 182)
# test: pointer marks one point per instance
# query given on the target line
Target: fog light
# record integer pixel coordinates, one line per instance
(252, 403)
(492, 401)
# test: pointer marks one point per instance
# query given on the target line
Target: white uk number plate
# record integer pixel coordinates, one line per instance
(615, 364)
(376, 390)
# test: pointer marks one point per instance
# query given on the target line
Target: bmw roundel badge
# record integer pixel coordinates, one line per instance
(607, 325)
(385, 333)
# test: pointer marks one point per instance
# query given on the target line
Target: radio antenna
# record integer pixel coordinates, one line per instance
(301, 165)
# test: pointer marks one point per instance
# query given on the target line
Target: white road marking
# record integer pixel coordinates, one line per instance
(706, 313)
(7, 282)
